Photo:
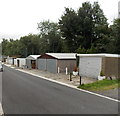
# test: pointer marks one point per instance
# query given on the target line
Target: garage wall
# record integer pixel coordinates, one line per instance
(15, 62)
(90, 66)
(62, 64)
(10, 61)
(111, 67)
(22, 62)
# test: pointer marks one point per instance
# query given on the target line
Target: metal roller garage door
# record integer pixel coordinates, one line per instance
(52, 65)
(90, 66)
(42, 64)
(28, 63)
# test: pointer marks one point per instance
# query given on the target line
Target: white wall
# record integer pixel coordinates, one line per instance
(90, 66)
(15, 62)
(22, 62)
(9, 60)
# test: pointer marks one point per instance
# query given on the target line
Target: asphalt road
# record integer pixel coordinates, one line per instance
(26, 94)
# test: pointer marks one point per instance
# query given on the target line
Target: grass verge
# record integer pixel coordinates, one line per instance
(101, 85)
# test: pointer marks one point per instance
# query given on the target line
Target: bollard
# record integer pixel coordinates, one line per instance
(70, 76)
(80, 80)
(66, 70)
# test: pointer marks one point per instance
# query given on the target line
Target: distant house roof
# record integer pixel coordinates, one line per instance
(99, 55)
(33, 57)
(62, 55)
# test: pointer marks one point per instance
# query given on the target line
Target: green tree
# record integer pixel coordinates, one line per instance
(101, 30)
(50, 37)
(10, 47)
(29, 45)
(114, 45)
(85, 28)
(4, 46)
(68, 25)
(85, 15)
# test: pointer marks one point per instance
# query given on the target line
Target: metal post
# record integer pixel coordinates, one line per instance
(80, 80)
(70, 76)
(110, 78)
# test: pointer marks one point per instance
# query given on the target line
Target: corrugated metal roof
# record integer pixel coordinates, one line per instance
(34, 57)
(99, 55)
(63, 55)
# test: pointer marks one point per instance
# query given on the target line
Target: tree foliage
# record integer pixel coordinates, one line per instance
(68, 27)
(85, 28)
(51, 37)
(114, 44)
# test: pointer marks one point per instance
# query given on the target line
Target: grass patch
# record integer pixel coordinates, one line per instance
(101, 85)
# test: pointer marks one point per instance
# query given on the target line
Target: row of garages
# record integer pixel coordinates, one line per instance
(89, 65)
(51, 62)
(57, 62)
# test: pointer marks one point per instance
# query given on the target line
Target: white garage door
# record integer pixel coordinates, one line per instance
(90, 66)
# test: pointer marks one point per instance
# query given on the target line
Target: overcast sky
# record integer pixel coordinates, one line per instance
(20, 17)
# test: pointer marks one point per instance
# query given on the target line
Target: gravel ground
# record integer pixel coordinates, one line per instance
(62, 77)
(114, 93)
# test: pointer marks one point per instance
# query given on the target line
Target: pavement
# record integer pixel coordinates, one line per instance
(25, 93)
(113, 93)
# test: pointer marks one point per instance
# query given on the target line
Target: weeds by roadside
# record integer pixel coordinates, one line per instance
(101, 85)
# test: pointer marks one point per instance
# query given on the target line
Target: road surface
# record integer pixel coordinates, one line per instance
(26, 94)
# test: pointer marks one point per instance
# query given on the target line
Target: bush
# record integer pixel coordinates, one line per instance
(101, 73)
